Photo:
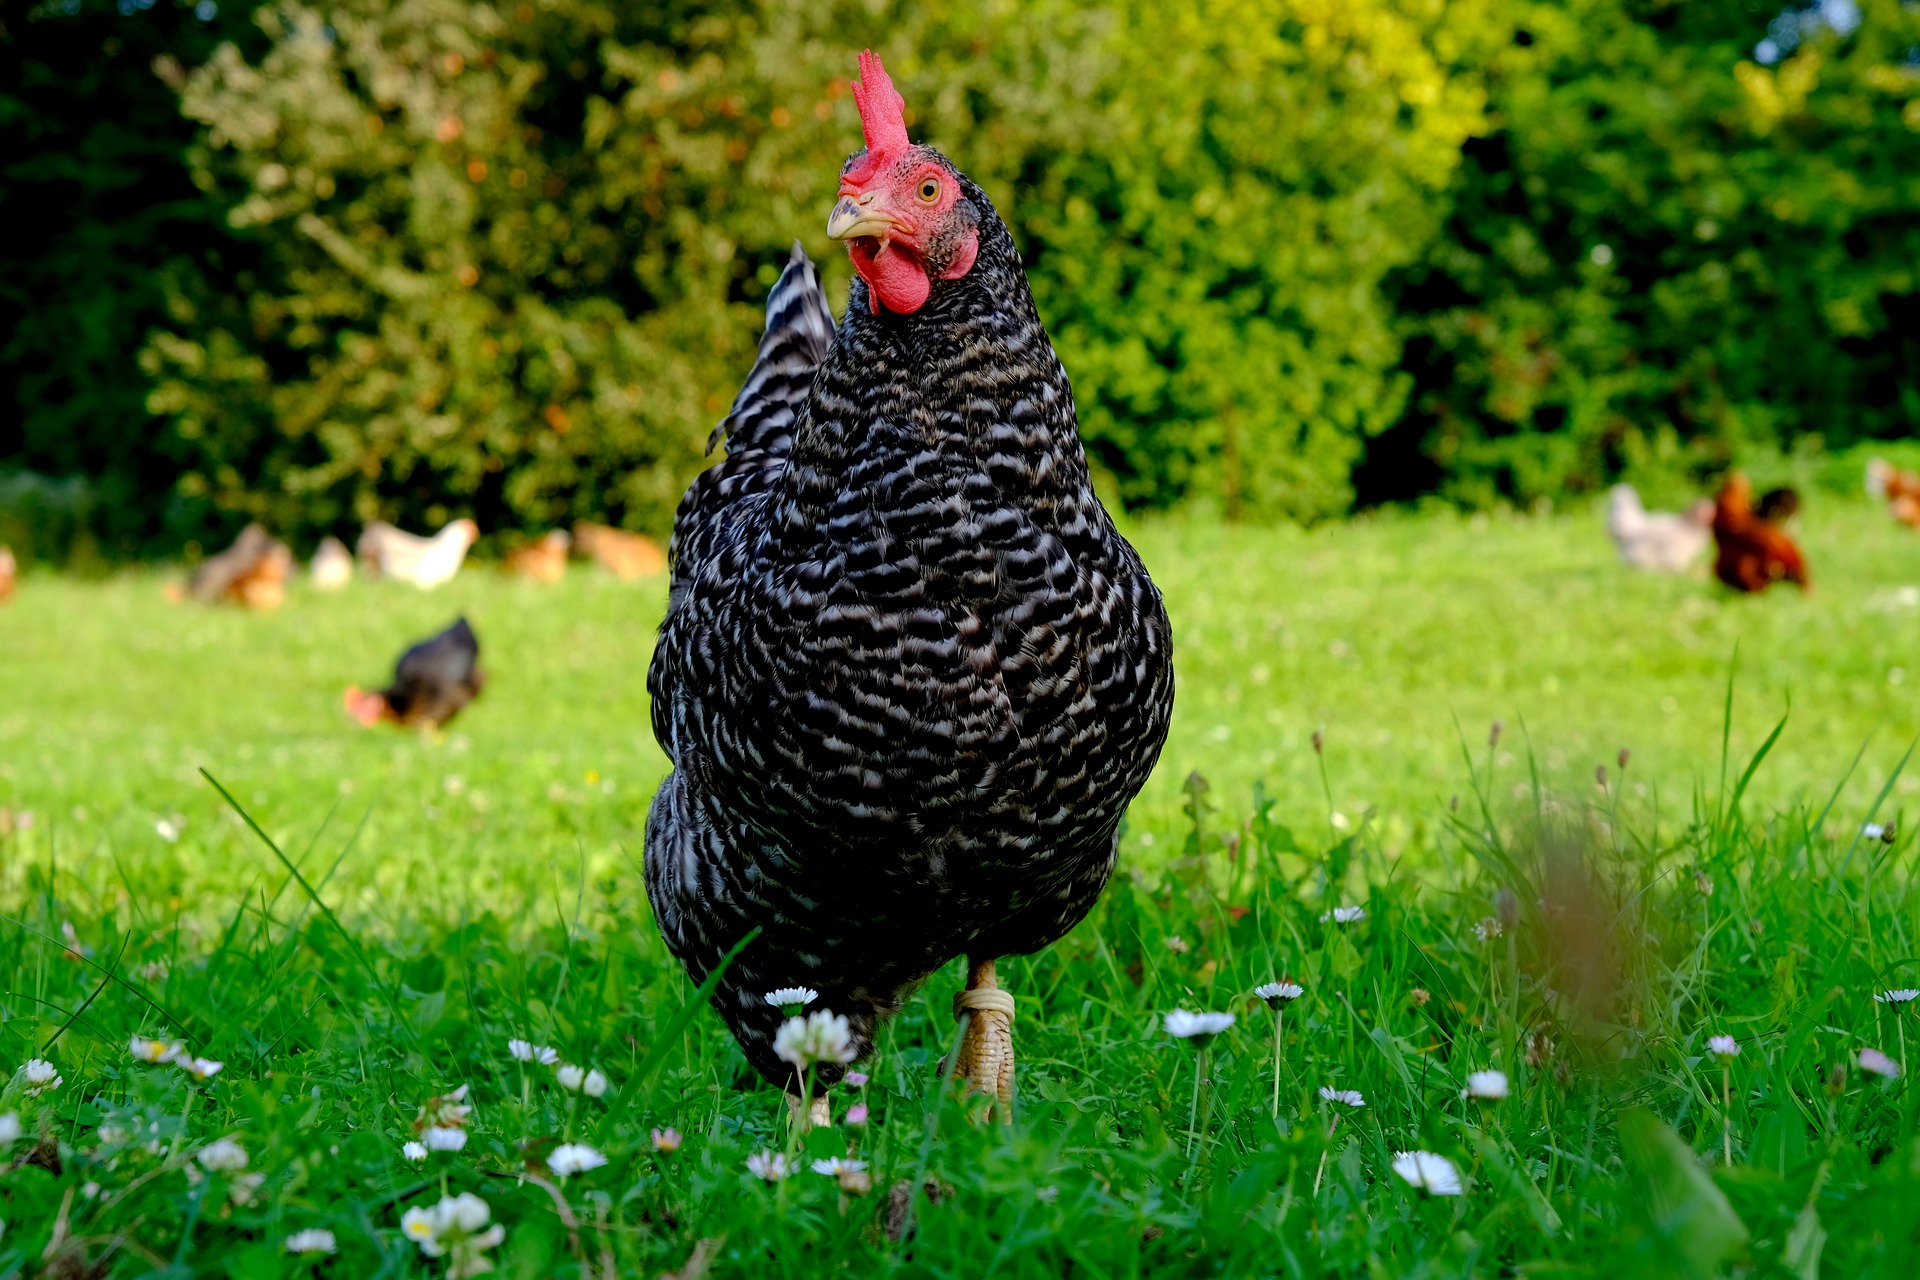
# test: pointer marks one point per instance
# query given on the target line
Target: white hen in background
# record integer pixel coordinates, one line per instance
(387, 552)
(1663, 540)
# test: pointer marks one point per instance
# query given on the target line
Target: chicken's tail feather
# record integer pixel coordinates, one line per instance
(799, 331)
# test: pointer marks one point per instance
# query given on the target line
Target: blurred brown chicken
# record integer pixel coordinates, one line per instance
(542, 560)
(432, 683)
(8, 572)
(625, 555)
(252, 572)
(1751, 553)
(1899, 489)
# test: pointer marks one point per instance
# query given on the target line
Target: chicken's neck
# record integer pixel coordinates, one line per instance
(941, 417)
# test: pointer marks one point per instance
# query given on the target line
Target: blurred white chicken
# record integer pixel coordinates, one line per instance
(387, 552)
(332, 567)
(1663, 540)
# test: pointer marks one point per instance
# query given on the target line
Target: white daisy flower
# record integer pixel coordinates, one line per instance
(1899, 995)
(595, 1083)
(457, 1230)
(222, 1155)
(198, 1068)
(1178, 944)
(1277, 994)
(1879, 1063)
(666, 1140)
(835, 1167)
(819, 1037)
(1433, 1174)
(312, 1240)
(527, 1051)
(437, 1138)
(574, 1157)
(1203, 1027)
(785, 996)
(770, 1166)
(414, 1151)
(166, 831)
(1345, 1097)
(1724, 1046)
(1489, 1086)
(10, 1128)
(1343, 915)
(570, 1077)
(1873, 831)
(149, 1050)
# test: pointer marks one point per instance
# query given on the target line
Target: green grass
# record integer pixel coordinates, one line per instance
(485, 885)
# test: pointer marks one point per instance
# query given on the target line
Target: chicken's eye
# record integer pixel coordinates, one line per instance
(929, 191)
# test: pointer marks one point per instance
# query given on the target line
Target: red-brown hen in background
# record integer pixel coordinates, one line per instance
(1752, 554)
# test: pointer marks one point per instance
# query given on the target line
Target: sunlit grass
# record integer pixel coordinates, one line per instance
(1582, 936)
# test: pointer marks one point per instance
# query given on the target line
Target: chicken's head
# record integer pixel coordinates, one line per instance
(368, 708)
(901, 209)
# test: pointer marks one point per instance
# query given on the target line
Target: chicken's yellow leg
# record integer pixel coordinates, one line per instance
(986, 1045)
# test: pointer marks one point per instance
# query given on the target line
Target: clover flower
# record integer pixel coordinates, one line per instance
(457, 1230)
(792, 999)
(1177, 944)
(667, 1140)
(414, 1151)
(1487, 929)
(1197, 1027)
(594, 1084)
(769, 1166)
(222, 1155)
(150, 1050)
(1488, 1086)
(1343, 915)
(821, 1036)
(1899, 995)
(312, 1240)
(574, 1157)
(40, 1076)
(444, 1111)
(439, 1138)
(1724, 1046)
(10, 1128)
(526, 1051)
(570, 1077)
(1879, 1064)
(855, 1080)
(1873, 831)
(857, 1115)
(1278, 995)
(1433, 1174)
(1345, 1097)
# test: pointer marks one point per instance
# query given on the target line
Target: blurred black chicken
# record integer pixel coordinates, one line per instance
(910, 675)
(433, 681)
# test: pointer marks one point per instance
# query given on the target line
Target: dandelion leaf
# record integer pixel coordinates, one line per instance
(1684, 1227)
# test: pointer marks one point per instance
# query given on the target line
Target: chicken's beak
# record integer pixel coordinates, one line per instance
(861, 215)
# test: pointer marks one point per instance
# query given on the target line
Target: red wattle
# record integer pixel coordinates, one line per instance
(893, 278)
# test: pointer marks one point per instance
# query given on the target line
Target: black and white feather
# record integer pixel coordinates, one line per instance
(910, 675)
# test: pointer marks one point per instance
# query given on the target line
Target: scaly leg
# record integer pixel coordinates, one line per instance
(819, 1114)
(986, 1046)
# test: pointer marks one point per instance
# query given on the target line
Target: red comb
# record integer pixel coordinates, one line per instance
(881, 108)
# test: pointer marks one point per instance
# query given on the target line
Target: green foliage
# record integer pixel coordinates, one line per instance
(102, 224)
(510, 258)
(1665, 255)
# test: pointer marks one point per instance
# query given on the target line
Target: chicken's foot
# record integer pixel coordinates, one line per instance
(985, 1059)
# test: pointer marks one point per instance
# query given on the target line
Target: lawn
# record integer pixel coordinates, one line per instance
(459, 891)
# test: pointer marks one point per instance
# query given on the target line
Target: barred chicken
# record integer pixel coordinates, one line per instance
(910, 674)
